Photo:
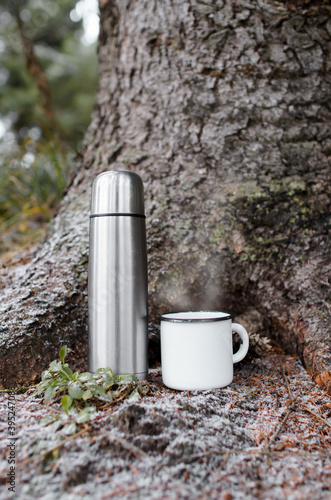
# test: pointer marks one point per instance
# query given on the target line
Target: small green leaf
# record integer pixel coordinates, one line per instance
(40, 388)
(96, 389)
(109, 372)
(46, 374)
(70, 428)
(75, 376)
(126, 379)
(66, 371)
(106, 397)
(108, 383)
(75, 391)
(84, 377)
(49, 394)
(84, 416)
(134, 396)
(87, 395)
(49, 419)
(63, 353)
(66, 403)
(55, 366)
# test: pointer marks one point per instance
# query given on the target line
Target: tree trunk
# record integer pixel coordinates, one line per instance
(222, 109)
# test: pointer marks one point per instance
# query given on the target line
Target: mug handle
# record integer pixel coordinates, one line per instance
(239, 355)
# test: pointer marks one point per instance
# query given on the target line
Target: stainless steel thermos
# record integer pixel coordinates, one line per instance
(117, 280)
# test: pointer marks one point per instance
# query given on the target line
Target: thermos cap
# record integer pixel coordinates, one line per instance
(117, 192)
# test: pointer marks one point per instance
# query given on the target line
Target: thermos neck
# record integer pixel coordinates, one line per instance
(117, 193)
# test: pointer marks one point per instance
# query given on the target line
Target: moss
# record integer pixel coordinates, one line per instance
(251, 190)
(129, 156)
(275, 218)
(294, 184)
(217, 234)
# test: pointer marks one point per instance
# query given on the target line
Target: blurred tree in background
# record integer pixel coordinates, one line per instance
(48, 78)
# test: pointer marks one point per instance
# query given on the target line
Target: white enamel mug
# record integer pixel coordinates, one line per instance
(196, 349)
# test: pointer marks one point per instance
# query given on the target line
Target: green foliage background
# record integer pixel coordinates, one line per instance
(38, 150)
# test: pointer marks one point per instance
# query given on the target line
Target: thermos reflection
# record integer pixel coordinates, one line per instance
(117, 288)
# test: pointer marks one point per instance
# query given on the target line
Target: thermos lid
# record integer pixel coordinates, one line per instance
(117, 192)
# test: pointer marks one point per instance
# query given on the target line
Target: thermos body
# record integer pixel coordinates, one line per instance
(117, 288)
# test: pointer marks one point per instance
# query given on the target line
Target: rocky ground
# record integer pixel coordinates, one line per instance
(267, 435)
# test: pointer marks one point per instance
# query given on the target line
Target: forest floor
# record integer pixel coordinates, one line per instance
(267, 435)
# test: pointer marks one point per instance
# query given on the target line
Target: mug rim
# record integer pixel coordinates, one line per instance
(166, 317)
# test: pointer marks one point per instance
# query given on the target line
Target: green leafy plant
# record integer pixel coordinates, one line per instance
(82, 394)
(30, 191)
(47, 93)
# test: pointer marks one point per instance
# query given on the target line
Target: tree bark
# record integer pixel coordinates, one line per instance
(223, 109)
